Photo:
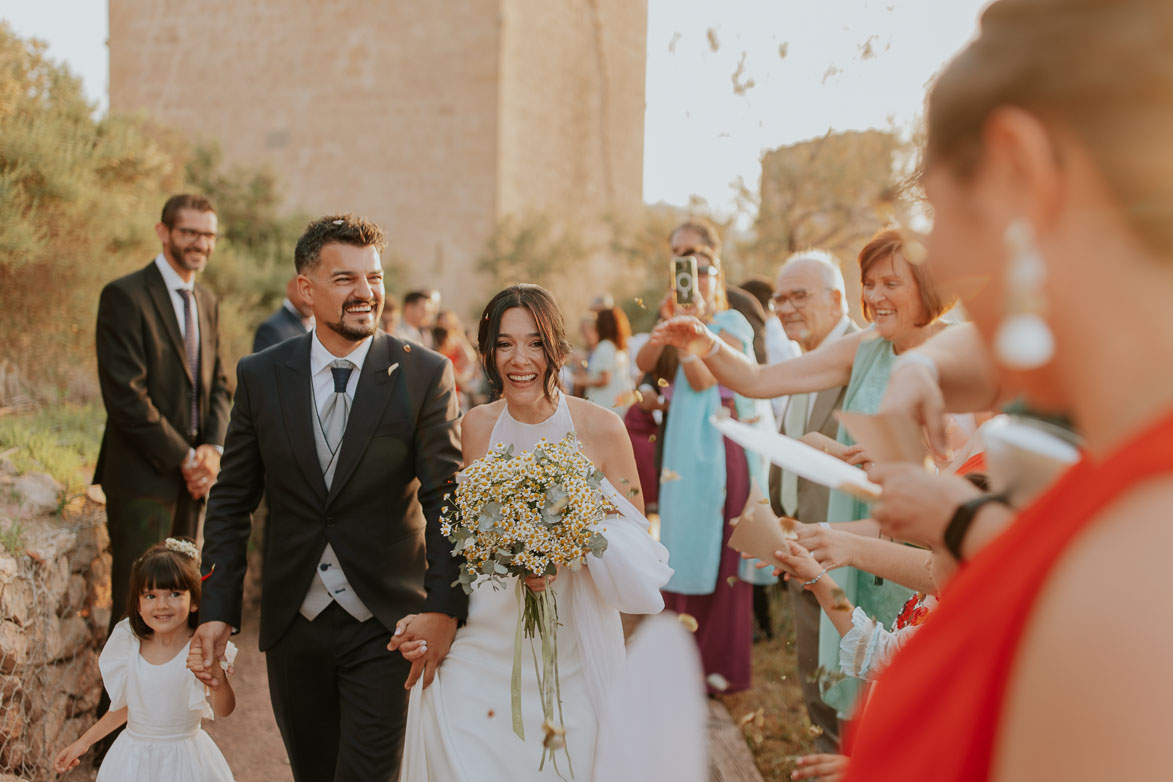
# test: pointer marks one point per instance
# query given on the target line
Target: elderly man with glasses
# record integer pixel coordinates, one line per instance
(810, 301)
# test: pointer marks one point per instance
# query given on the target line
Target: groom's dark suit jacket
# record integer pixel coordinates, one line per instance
(399, 453)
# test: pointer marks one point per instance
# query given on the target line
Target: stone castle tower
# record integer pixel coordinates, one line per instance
(435, 119)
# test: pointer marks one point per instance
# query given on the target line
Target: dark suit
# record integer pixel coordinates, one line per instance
(812, 509)
(146, 387)
(399, 454)
(278, 327)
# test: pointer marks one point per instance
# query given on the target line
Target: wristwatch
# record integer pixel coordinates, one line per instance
(963, 517)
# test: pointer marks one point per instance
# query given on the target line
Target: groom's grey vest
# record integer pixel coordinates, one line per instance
(331, 583)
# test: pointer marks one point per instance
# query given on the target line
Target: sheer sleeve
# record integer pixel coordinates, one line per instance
(867, 648)
(115, 660)
(634, 567)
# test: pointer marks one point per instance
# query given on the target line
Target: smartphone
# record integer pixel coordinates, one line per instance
(684, 279)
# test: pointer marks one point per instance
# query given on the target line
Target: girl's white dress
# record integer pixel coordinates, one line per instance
(163, 739)
(459, 729)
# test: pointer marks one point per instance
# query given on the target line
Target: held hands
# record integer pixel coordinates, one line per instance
(199, 473)
(424, 641)
(207, 649)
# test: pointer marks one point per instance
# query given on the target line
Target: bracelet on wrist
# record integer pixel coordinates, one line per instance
(687, 358)
(814, 580)
(715, 349)
(961, 520)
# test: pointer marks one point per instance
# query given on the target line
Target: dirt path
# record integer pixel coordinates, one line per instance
(249, 738)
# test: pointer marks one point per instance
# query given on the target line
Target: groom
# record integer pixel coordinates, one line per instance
(354, 437)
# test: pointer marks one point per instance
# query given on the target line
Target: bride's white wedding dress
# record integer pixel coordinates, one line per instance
(459, 729)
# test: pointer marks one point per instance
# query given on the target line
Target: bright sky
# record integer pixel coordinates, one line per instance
(813, 65)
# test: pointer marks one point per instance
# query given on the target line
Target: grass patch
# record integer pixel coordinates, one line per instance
(782, 729)
(61, 440)
(12, 537)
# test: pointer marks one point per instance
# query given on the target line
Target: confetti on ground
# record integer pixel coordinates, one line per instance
(689, 622)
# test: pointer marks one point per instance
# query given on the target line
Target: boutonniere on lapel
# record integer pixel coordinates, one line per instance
(391, 369)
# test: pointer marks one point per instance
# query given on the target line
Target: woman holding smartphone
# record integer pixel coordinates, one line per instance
(706, 479)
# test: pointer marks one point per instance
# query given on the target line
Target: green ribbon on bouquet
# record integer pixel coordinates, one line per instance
(537, 614)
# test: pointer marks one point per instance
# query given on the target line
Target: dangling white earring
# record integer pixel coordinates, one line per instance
(1024, 340)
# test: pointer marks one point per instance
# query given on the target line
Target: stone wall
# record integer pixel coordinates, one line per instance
(54, 610)
(434, 119)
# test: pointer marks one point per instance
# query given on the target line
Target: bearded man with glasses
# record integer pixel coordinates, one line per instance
(165, 391)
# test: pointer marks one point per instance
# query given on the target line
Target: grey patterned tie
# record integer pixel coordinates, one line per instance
(192, 347)
(334, 415)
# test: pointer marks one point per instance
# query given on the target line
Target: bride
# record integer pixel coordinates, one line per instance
(459, 727)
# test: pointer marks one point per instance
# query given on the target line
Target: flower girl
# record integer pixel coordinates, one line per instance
(151, 690)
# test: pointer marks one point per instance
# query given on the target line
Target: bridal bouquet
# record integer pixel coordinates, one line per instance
(527, 514)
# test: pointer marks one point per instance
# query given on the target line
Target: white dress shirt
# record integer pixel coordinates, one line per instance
(174, 282)
(331, 583)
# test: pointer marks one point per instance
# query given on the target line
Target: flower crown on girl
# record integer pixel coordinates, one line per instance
(188, 549)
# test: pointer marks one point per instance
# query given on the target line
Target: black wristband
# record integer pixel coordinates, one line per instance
(962, 519)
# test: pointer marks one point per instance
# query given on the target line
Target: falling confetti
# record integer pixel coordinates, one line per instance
(667, 476)
(689, 622)
(672, 43)
(407, 348)
(731, 581)
(839, 600)
(742, 85)
(640, 303)
(628, 398)
(783, 50)
(764, 501)
(491, 713)
(663, 382)
(814, 731)
(717, 682)
(711, 35)
(651, 438)
(758, 718)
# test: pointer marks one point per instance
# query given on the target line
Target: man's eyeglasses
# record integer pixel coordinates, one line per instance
(192, 234)
(797, 298)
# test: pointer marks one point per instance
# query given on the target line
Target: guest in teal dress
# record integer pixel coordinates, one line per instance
(905, 307)
(705, 483)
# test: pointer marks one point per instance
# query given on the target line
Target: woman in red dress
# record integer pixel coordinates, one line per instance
(1049, 165)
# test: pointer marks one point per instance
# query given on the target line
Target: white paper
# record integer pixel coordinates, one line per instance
(799, 458)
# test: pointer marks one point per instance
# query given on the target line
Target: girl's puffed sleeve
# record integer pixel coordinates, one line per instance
(115, 660)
